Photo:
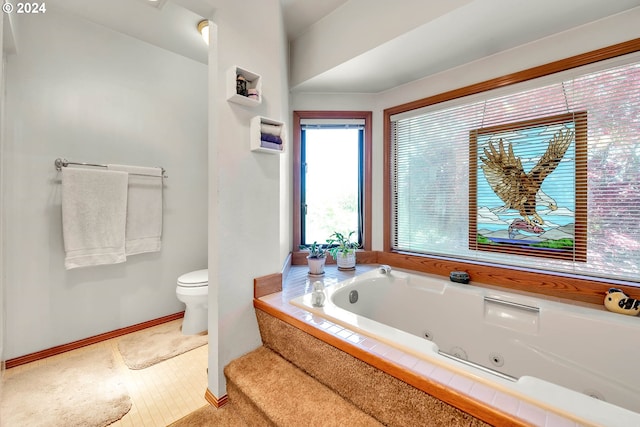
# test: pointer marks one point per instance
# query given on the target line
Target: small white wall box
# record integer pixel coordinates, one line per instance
(266, 143)
(253, 84)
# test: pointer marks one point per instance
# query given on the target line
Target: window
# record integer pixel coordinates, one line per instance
(331, 165)
(437, 177)
(332, 175)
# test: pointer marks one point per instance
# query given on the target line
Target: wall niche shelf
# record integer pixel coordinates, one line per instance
(265, 133)
(254, 82)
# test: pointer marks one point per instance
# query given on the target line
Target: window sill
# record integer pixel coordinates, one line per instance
(566, 288)
(362, 257)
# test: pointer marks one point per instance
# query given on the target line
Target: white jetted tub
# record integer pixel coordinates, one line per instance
(577, 361)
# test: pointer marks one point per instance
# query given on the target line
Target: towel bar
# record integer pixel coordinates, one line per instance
(63, 163)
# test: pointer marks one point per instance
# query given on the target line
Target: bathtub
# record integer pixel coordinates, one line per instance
(577, 361)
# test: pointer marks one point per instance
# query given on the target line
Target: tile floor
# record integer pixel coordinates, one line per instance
(160, 394)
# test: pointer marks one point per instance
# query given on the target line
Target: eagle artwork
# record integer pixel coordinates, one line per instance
(520, 190)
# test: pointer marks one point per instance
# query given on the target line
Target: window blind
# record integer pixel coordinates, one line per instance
(446, 196)
(332, 123)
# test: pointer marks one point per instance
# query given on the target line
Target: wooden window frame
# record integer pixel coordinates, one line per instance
(567, 286)
(367, 117)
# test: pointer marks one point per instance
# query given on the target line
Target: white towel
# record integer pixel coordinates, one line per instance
(94, 206)
(270, 129)
(144, 209)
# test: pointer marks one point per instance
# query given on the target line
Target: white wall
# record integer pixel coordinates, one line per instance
(2, 303)
(598, 34)
(355, 28)
(81, 91)
(248, 237)
(602, 33)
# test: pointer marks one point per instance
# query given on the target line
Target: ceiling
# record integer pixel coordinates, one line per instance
(170, 23)
(299, 15)
(461, 34)
(457, 36)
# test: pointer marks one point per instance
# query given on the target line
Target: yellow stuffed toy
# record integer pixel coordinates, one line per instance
(615, 300)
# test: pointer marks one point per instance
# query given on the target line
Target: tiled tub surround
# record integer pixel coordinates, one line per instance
(473, 385)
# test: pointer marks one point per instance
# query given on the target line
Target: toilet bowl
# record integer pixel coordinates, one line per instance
(193, 290)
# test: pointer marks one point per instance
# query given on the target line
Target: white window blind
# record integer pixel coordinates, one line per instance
(444, 204)
(332, 123)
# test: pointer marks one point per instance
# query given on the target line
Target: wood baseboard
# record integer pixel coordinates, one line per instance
(32, 357)
(212, 399)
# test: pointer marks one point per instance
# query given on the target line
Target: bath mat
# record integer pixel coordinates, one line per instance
(152, 345)
(81, 390)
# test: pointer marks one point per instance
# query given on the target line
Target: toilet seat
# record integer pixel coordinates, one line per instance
(194, 279)
(192, 291)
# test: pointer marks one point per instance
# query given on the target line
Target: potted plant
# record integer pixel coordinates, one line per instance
(343, 250)
(316, 258)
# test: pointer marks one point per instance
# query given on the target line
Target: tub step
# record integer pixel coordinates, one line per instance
(266, 390)
(384, 397)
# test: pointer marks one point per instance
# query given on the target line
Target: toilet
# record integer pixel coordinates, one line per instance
(193, 290)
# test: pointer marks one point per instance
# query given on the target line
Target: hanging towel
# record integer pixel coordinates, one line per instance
(94, 206)
(144, 209)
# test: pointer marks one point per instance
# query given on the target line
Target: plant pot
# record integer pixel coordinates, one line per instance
(346, 261)
(316, 265)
